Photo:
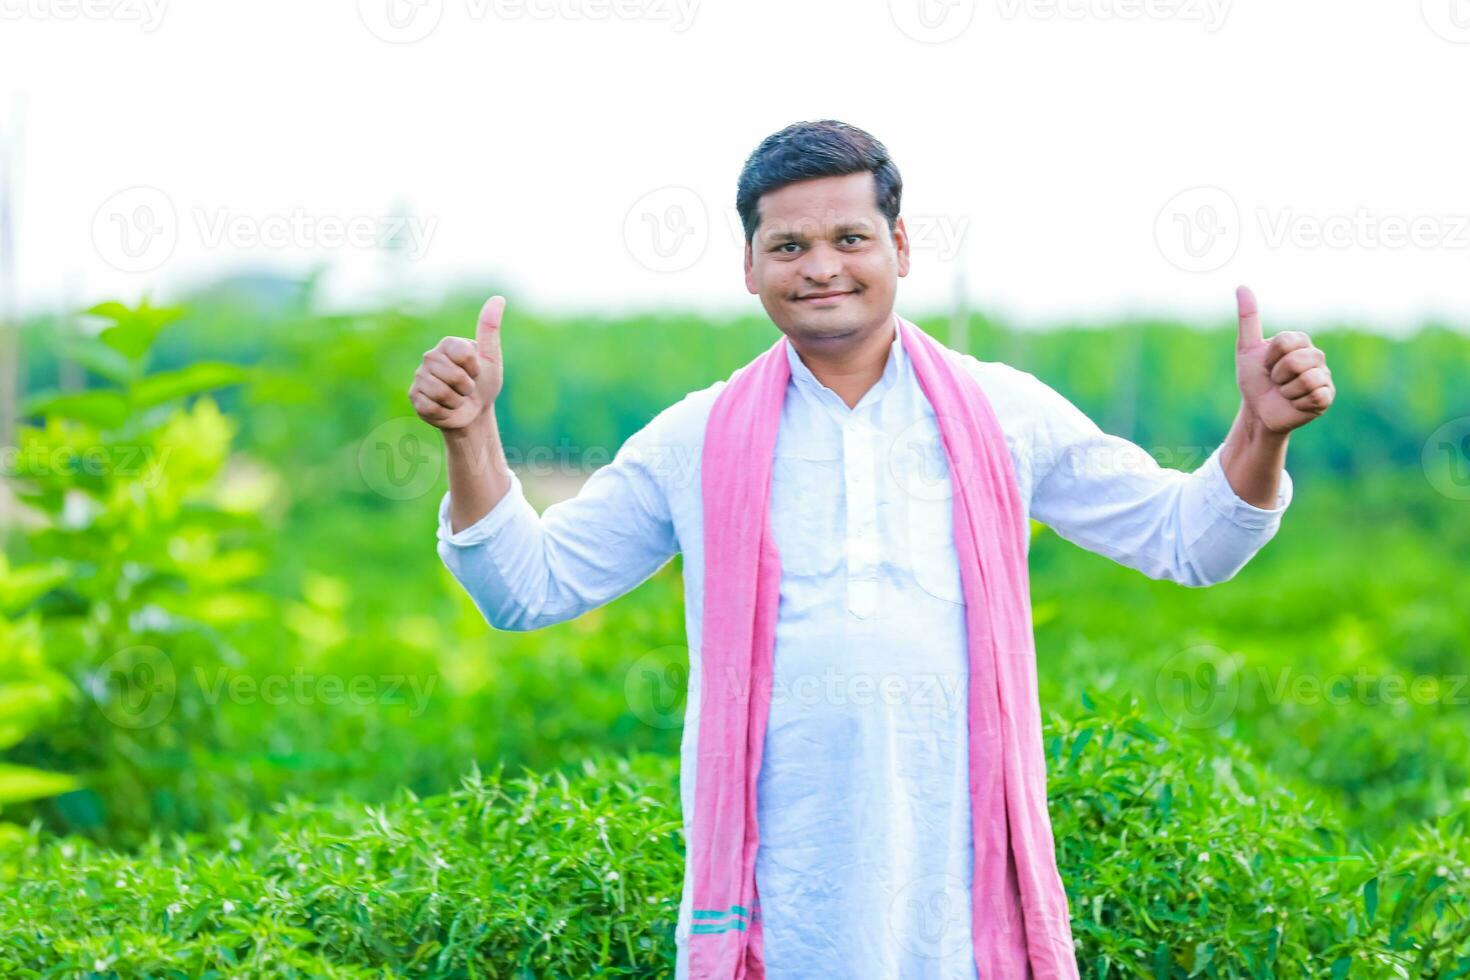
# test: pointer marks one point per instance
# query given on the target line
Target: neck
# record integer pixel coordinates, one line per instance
(851, 370)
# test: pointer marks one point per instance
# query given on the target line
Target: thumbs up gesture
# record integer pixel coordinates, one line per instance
(459, 379)
(1284, 382)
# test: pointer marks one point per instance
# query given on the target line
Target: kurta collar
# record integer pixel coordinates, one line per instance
(803, 375)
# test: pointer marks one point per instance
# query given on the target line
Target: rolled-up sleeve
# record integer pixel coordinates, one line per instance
(525, 571)
(1108, 495)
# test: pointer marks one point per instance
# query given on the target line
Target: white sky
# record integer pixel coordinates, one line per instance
(1051, 149)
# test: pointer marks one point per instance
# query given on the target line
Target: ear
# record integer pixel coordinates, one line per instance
(901, 245)
(750, 272)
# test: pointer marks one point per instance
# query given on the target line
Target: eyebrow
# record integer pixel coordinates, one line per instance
(846, 228)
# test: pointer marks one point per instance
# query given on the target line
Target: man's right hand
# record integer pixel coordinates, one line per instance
(459, 379)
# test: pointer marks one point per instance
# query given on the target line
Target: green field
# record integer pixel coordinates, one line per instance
(254, 727)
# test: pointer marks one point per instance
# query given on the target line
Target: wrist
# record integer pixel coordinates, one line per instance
(476, 433)
(1256, 433)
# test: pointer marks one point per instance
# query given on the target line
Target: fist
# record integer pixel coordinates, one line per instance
(1284, 382)
(459, 379)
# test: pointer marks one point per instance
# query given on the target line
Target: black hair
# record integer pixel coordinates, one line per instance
(805, 150)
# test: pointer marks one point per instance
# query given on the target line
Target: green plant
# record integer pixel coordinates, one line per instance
(1182, 857)
(32, 693)
(142, 545)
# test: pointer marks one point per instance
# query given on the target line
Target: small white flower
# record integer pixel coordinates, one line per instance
(229, 906)
(301, 867)
(120, 883)
(99, 965)
(602, 821)
(1204, 856)
(361, 862)
(67, 850)
(235, 845)
(174, 908)
(612, 876)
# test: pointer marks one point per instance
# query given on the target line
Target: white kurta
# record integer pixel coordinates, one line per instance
(864, 866)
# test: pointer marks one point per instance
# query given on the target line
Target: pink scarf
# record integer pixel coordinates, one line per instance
(1020, 914)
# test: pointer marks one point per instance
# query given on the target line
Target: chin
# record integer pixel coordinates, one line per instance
(819, 328)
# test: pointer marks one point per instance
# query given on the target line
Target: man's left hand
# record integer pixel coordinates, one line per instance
(1284, 382)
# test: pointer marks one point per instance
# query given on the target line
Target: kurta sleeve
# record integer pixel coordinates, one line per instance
(1108, 495)
(525, 571)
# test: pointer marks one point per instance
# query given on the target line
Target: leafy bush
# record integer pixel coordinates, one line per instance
(1180, 855)
(144, 548)
(31, 692)
(1183, 858)
(532, 877)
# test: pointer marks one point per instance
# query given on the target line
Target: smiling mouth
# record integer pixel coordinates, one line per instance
(823, 297)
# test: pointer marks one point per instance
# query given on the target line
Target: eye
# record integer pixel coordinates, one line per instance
(859, 238)
(786, 244)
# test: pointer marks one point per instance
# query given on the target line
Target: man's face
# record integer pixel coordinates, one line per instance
(821, 237)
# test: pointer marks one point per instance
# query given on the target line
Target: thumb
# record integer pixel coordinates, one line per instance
(1249, 334)
(487, 330)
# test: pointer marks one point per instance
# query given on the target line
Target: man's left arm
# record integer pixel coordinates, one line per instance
(1106, 494)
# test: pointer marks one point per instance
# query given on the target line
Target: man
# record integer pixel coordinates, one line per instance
(865, 847)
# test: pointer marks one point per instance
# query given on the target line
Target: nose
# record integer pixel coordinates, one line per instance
(821, 264)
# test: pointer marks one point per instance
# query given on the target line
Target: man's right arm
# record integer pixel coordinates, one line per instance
(525, 571)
